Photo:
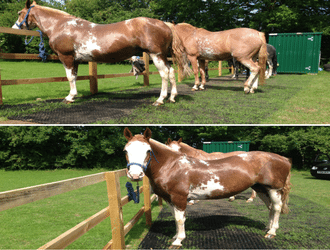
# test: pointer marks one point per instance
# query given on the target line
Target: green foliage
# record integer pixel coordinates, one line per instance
(60, 147)
(55, 147)
(267, 16)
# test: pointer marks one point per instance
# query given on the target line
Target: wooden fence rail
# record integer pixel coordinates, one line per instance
(18, 197)
(92, 77)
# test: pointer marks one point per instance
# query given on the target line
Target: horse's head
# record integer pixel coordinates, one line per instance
(25, 19)
(138, 154)
(175, 145)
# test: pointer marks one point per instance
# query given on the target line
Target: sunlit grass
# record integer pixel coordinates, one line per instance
(32, 225)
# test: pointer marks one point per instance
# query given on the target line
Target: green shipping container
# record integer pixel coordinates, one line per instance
(297, 52)
(226, 146)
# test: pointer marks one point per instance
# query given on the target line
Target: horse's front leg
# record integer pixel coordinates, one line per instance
(180, 218)
(71, 69)
(194, 65)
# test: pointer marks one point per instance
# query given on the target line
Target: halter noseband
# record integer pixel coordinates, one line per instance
(144, 167)
(25, 19)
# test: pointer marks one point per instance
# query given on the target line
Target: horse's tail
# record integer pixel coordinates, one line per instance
(262, 58)
(285, 194)
(179, 53)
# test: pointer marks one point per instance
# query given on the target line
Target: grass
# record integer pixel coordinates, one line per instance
(33, 225)
(28, 93)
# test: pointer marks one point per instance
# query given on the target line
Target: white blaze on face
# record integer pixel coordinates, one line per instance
(204, 191)
(137, 152)
(15, 26)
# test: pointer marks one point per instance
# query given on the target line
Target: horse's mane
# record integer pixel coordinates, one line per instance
(54, 10)
(161, 145)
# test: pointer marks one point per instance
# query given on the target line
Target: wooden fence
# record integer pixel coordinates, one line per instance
(92, 77)
(18, 197)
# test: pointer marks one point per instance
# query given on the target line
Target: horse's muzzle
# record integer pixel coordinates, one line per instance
(135, 177)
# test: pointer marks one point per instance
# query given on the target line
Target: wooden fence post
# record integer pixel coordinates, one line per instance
(115, 210)
(220, 68)
(147, 201)
(93, 77)
(146, 72)
(180, 78)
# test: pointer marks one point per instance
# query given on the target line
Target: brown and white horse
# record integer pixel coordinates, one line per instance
(177, 177)
(243, 44)
(202, 155)
(76, 40)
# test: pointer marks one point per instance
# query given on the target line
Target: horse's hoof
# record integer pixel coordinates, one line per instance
(231, 199)
(269, 236)
(194, 89)
(249, 200)
(170, 101)
(246, 90)
(65, 101)
(174, 247)
(156, 104)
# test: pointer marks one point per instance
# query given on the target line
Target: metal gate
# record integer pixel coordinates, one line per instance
(297, 52)
(226, 146)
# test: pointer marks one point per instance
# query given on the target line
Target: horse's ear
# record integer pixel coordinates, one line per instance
(180, 140)
(169, 140)
(128, 134)
(27, 4)
(147, 134)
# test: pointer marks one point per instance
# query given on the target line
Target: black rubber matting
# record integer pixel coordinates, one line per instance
(94, 111)
(209, 225)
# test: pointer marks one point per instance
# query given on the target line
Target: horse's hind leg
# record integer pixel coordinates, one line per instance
(252, 197)
(276, 207)
(269, 71)
(164, 74)
(174, 91)
(202, 72)
(273, 201)
(194, 65)
(252, 82)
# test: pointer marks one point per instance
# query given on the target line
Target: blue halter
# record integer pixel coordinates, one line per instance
(42, 52)
(25, 19)
(144, 167)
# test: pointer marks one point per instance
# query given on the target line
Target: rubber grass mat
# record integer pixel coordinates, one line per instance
(95, 110)
(211, 224)
(110, 106)
(220, 224)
